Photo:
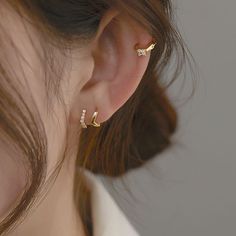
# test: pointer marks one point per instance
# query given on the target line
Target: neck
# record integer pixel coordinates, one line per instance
(57, 213)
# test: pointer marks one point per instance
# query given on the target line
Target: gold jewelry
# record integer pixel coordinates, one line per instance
(82, 120)
(143, 51)
(94, 123)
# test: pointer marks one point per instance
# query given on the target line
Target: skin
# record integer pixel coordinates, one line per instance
(103, 75)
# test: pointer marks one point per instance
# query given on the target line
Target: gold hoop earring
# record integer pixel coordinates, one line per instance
(93, 122)
(82, 119)
(144, 51)
(94, 117)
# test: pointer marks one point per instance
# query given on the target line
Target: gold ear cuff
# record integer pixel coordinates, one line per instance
(93, 120)
(144, 51)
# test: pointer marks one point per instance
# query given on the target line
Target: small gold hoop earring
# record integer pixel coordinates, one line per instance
(144, 51)
(93, 122)
(82, 119)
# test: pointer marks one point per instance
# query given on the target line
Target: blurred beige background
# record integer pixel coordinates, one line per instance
(190, 190)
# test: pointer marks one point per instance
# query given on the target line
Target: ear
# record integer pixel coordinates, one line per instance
(117, 69)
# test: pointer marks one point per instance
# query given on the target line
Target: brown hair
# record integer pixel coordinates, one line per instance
(138, 131)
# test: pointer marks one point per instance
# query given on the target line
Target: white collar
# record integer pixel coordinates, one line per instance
(108, 219)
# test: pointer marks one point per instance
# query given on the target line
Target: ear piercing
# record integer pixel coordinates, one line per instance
(144, 51)
(93, 121)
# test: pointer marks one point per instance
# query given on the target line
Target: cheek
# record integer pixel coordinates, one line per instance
(12, 180)
(29, 72)
(22, 52)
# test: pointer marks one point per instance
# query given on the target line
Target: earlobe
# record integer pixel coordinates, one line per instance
(118, 65)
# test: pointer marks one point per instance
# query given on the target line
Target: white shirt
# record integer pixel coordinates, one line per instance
(108, 219)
